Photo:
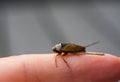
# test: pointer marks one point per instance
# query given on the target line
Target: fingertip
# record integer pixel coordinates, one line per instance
(83, 68)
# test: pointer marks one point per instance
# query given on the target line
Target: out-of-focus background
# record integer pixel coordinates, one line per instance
(28, 27)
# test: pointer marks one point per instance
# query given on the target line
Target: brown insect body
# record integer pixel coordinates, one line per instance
(72, 48)
(65, 48)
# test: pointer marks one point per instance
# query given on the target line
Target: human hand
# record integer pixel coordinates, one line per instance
(41, 68)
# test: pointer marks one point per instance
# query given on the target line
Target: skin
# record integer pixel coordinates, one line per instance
(41, 68)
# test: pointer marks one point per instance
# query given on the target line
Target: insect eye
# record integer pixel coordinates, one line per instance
(58, 46)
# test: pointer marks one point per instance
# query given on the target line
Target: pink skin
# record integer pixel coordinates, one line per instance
(41, 68)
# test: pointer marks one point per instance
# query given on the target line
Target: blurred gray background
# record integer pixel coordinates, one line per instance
(28, 27)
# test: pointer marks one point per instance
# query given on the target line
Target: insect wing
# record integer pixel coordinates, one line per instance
(69, 47)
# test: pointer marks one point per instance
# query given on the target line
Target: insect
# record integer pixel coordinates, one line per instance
(65, 48)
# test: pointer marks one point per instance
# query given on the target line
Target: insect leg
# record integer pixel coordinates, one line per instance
(95, 53)
(65, 61)
(92, 44)
(56, 60)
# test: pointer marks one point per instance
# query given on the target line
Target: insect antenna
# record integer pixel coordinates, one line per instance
(92, 44)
